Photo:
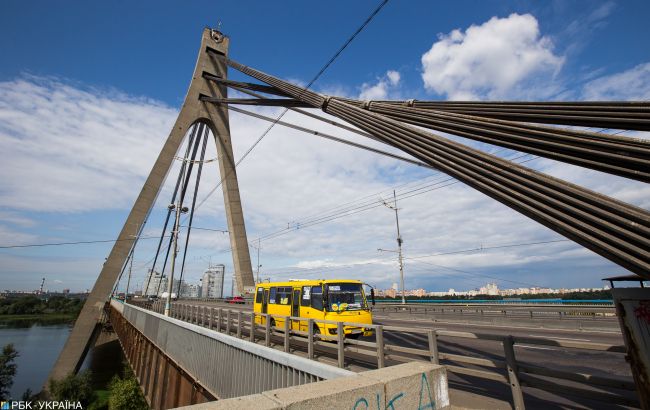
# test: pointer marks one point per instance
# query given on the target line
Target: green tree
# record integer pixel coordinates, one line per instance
(126, 394)
(7, 370)
(74, 387)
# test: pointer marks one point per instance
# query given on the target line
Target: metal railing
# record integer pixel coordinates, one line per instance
(256, 327)
(495, 310)
(245, 368)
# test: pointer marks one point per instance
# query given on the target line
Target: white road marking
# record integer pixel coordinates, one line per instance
(535, 347)
(562, 338)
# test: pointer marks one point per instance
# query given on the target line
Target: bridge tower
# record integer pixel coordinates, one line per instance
(193, 111)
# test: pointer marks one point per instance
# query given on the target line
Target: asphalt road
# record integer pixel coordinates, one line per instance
(466, 388)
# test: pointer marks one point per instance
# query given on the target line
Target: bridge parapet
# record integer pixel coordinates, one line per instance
(413, 385)
(179, 363)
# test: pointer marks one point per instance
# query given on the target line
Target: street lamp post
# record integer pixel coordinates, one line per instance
(179, 209)
(399, 245)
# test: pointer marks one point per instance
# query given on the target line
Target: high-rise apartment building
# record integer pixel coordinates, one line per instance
(212, 282)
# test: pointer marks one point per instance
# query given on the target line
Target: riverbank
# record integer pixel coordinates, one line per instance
(40, 317)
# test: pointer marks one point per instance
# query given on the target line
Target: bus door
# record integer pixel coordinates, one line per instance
(295, 309)
(265, 302)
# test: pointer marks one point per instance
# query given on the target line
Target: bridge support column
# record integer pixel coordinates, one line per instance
(192, 111)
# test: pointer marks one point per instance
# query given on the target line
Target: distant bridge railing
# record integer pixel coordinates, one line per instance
(180, 363)
(378, 353)
(543, 312)
(599, 302)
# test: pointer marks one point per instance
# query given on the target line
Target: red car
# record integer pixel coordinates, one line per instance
(236, 299)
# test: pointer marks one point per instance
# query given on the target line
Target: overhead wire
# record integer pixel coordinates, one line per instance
(364, 206)
(186, 174)
(169, 209)
(39, 245)
(196, 190)
(311, 82)
(477, 274)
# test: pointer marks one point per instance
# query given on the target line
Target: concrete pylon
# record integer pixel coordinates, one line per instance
(192, 111)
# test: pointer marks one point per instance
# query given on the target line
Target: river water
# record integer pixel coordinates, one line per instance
(39, 344)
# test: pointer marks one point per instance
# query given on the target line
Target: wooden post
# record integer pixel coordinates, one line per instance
(267, 336)
(379, 340)
(433, 346)
(310, 339)
(219, 315)
(228, 322)
(252, 328)
(511, 366)
(211, 314)
(287, 334)
(239, 324)
(340, 336)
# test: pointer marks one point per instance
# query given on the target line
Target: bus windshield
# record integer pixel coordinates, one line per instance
(349, 293)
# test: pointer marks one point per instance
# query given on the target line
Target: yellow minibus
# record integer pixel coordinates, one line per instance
(333, 299)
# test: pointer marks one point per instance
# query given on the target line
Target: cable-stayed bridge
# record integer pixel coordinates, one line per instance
(616, 230)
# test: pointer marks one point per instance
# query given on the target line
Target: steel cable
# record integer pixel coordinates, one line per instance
(611, 228)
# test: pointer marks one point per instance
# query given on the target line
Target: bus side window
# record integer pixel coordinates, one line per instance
(317, 297)
(260, 295)
(305, 300)
(283, 295)
(272, 295)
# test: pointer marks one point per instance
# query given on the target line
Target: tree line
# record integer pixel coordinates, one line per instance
(123, 391)
(34, 305)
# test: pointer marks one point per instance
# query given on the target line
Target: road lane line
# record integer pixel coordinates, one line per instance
(562, 338)
(535, 347)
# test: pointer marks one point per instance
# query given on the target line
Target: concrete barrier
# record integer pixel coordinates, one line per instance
(413, 385)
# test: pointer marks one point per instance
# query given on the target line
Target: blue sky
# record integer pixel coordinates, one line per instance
(88, 91)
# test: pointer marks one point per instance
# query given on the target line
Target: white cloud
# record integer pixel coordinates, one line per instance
(9, 236)
(385, 85)
(69, 150)
(632, 84)
(503, 57)
(16, 219)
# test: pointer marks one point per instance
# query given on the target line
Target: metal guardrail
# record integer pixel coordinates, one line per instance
(244, 368)
(508, 370)
(552, 302)
(532, 312)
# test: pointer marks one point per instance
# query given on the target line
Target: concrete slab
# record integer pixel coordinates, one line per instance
(462, 400)
(415, 385)
(252, 402)
(352, 392)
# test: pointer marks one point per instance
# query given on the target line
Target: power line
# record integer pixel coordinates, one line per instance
(367, 205)
(313, 80)
(477, 274)
(485, 248)
(36, 245)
